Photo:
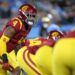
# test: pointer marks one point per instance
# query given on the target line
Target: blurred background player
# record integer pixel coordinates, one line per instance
(63, 55)
(13, 34)
(44, 54)
(27, 54)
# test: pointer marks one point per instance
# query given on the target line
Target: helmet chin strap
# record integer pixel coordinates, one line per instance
(30, 23)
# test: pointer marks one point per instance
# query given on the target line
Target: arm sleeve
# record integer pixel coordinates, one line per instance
(3, 41)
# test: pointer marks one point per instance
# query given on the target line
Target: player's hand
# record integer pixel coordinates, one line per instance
(6, 66)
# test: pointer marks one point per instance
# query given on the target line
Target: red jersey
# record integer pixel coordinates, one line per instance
(71, 34)
(21, 33)
(34, 44)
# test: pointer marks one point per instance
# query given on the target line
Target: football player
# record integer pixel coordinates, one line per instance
(63, 55)
(30, 56)
(44, 54)
(13, 34)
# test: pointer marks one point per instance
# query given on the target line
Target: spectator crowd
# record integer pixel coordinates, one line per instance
(52, 14)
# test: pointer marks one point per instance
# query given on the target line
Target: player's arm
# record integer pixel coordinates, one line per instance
(9, 32)
(7, 35)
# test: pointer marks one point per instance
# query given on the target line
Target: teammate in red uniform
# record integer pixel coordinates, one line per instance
(14, 32)
(26, 56)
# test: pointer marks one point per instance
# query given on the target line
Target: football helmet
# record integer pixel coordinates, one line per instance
(27, 13)
(55, 35)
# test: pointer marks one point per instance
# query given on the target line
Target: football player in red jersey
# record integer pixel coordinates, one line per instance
(28, 55)
(13, 34)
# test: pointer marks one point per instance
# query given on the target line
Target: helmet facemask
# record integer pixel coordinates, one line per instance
(31, 19)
